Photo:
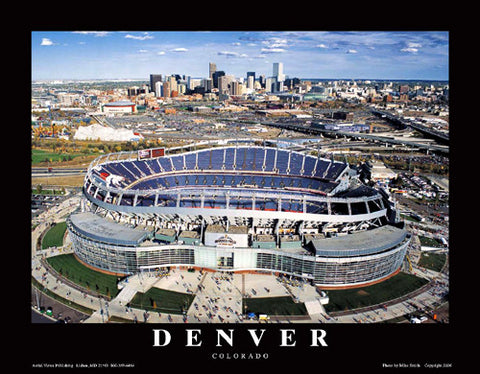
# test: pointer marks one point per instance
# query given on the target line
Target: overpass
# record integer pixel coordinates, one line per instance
(403, 123)
(380, 139)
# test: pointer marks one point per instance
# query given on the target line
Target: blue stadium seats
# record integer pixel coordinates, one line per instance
(296, 161)
(165, 163)
(225, 168)
(282, 162)
(190, 160)
(177, 161)
(216, 159)
(269, 159)
(229, 159)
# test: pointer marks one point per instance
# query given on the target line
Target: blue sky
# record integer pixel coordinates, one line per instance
(304, 54)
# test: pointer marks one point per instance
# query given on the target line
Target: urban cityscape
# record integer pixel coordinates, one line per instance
(203, 193)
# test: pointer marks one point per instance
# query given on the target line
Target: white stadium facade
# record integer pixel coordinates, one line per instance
(237, 208)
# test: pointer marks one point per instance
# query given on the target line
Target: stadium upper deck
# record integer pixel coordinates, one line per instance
(254, 163)
(243, 178)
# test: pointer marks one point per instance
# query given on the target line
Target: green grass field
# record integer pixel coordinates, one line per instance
(275, 306)
(39, 156)
(432, 261)
(397, 286)
(429, 242)
(160, 300)
(54, 236)
(69, 267)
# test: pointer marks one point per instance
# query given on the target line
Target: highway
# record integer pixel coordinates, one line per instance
(56, 172)
(355, 135)
(437, 135)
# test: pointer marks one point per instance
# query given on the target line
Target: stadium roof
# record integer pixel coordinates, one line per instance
(361, 243)
(106, 231)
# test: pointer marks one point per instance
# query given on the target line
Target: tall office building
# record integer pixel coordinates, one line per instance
(261, 79)
(278, 71)
(236, 88)
(154, 78)
(166, 89)
(212, 68)
(270, 84)
(215, 77)
(207, 84)
(158, 89)
(172, 79)
(224, 83)
(250, 82)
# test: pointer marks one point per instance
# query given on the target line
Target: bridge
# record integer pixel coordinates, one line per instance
(404, 122)
(380, 139)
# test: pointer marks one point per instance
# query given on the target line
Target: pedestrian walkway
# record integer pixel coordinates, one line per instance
(126, 295)
(314, 307)
(218, 299)
(96, 317)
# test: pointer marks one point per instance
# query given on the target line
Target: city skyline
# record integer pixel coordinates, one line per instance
(391, 55)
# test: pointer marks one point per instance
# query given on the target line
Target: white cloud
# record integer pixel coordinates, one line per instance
(411, 47)
(275, 43)
(273, 50)
(414, 45)
(227, 53)
(145, 36)
(232, 54)
(352, 51)
(100, 34)
(46, 41)
(161, 53)
(179, 50)
(142, 51)
(321, 46)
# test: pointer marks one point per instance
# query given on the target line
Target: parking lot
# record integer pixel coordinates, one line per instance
(41, 203)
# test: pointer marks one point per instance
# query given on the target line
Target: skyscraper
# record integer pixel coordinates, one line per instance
(166, 89)
(250, 82)
(224, 83)
(158, 89)
(270, 84)
(215, 77)
(212, 68)
(154, 78)
(278, 71)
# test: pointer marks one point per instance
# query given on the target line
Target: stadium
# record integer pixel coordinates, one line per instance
(237, 208)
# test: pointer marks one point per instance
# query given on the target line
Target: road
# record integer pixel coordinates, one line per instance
(56, 172)
(60, 311)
